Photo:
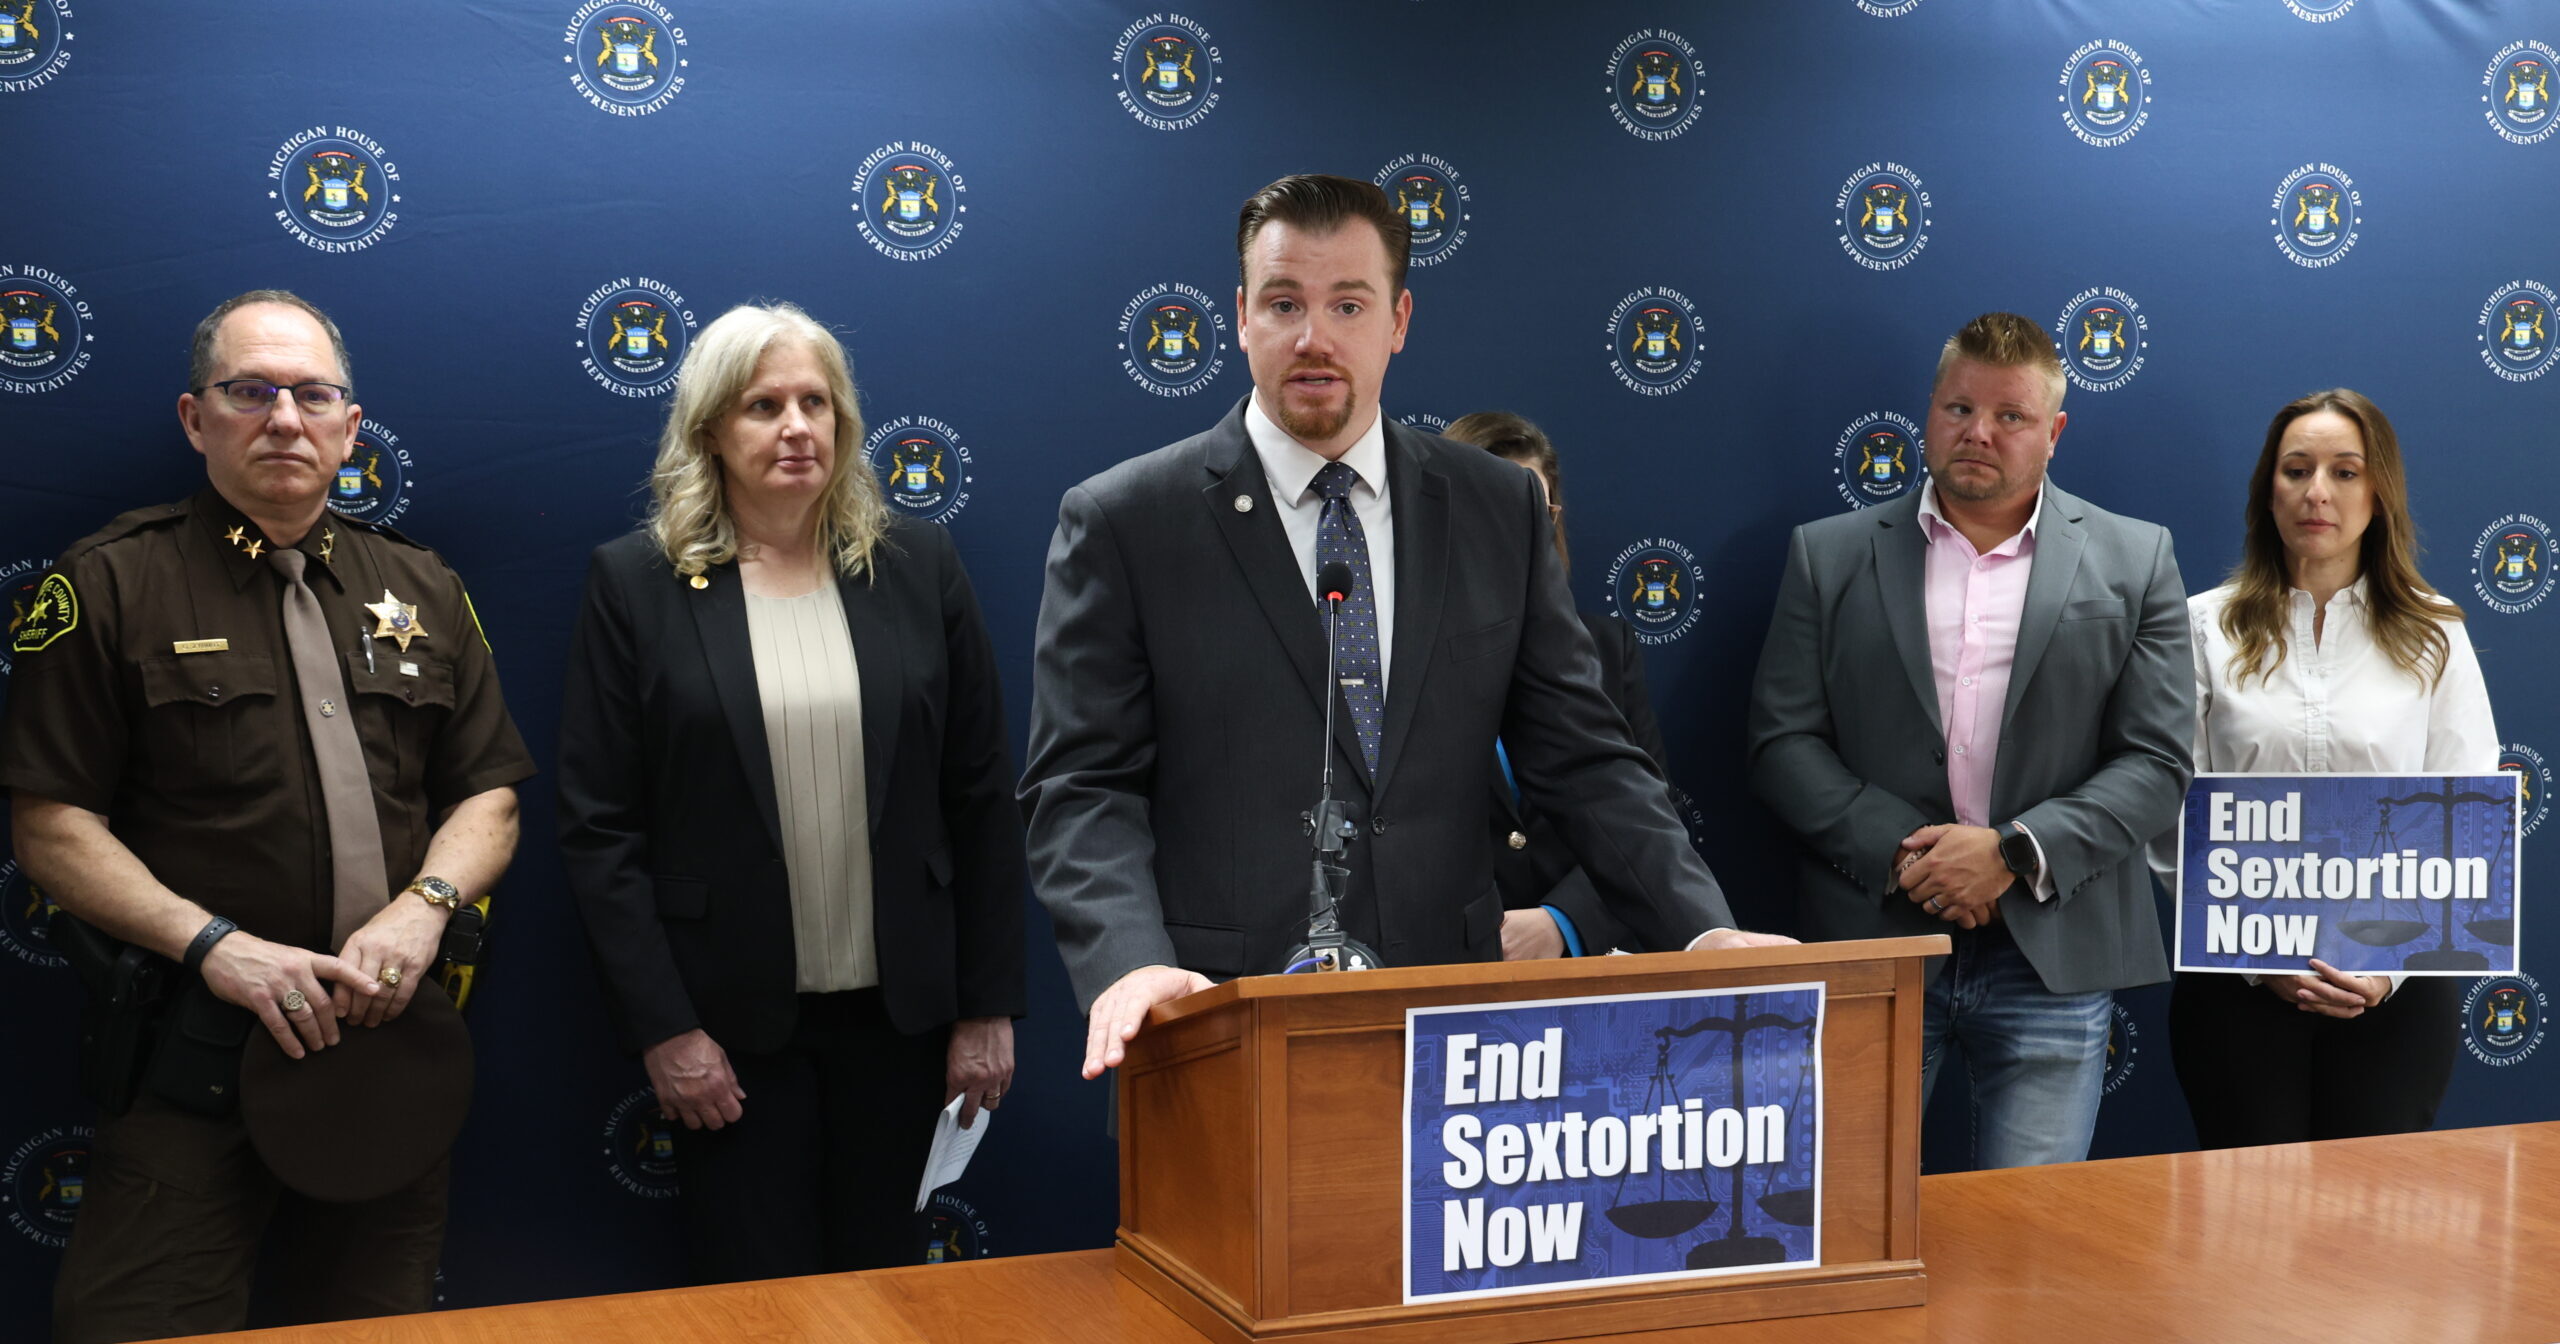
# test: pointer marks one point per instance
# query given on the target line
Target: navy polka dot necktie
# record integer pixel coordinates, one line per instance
(1339, 537)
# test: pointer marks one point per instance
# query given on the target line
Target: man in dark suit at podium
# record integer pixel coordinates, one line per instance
(1177, 707)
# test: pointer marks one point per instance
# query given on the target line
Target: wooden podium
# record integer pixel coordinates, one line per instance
(1261, 1150)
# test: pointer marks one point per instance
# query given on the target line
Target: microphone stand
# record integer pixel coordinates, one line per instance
(1327, 947)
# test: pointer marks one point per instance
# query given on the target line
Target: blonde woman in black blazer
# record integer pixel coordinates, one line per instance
(807, 1106)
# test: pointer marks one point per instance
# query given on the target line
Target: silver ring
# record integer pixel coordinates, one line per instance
(1932, 906)
(293, 1001)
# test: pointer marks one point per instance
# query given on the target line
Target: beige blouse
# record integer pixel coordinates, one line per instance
(812, 695)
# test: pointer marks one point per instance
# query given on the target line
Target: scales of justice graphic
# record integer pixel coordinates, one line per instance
(1672, 1213)
(2444, 956)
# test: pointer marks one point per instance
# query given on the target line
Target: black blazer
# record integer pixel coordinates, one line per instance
(1542, 870)
(668, 826)
(1177, 722)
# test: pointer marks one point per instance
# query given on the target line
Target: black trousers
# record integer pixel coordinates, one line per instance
(2257, 1070)
(819, 1173)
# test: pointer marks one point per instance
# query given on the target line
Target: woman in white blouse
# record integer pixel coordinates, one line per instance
(2325, 652)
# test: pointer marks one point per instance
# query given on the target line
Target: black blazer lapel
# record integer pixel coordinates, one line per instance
(1420, 498)
(1279, 584)
(720, 618)
(1902, 574)
(868, 619)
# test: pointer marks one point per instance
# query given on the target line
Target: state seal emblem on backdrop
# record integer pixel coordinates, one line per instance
(373, 483)
(1653, 341)
(333, 189)
(1654, 586)
(1882, 214)
(2511, 564)
(2317, 208)
(26, 919)
(1167, 70)
(2515, 93)
(2533, 782)
(626, 58)
(35, 43)
(2102, 336)
(2106, 93)
(47, 1178)
(1880, 459)
(924, 469)
(44, 330)
(909, 201)
(2502, 1019)
(1433, 201)
(954, 1230)
(633, 332)
(2516, 330)
(1653, 84)
(640, 1146)
(1173, 339)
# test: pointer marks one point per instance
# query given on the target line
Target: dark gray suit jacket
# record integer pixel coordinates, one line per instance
(2095, 736)
(1176, 723)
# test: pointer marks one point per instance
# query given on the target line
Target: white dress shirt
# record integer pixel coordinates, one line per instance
(2337, 705)
(1291, 468)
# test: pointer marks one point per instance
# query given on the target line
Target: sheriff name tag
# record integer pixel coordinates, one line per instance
(201, 646)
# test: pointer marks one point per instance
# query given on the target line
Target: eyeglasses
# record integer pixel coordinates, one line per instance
(257, 394)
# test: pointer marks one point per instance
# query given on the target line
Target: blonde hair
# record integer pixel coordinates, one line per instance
(2004, 341)
(689, 507)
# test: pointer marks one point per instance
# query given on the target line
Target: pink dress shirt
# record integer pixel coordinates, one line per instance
(1975, 600)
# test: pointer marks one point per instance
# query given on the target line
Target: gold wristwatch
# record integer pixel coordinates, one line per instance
(435, 891)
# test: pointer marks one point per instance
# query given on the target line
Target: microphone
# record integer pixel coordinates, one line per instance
(1334, 581)
(1327, 948)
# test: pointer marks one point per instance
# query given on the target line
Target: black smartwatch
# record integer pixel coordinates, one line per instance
(212, 933)
(2018, 851)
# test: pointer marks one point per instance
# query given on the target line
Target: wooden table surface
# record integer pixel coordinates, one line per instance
(2422, 1239)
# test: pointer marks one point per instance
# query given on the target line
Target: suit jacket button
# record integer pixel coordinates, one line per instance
(1519, 841)
(1377, 825)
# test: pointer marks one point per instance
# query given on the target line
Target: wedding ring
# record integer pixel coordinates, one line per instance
(992, 1098)
(1931, 905)
(294, 1002)
(390, 977)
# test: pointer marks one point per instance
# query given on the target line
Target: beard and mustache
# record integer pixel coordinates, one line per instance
(1319, 424)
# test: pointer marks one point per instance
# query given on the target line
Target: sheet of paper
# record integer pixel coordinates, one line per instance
(952, 1146)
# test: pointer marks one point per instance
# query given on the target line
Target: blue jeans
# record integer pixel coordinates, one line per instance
(2037, 1057)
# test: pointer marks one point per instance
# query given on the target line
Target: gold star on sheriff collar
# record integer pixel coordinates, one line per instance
(399, 620)
(237, 536)
(329, 543)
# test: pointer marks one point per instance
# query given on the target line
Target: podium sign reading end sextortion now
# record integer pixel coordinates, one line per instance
(1570, 1143)
(2405, 874)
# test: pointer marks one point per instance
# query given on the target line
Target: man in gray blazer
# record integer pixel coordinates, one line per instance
(1975, 705)
(1179, 685)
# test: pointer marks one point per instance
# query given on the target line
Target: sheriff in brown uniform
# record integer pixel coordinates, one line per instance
(266, 742)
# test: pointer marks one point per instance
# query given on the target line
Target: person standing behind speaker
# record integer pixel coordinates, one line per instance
(1549, 908)
(2325, 651)
(786, 813)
